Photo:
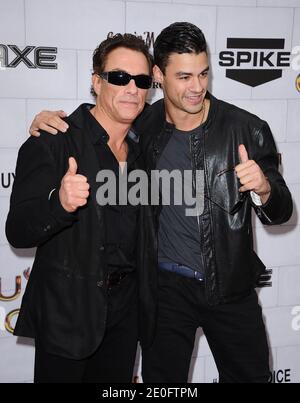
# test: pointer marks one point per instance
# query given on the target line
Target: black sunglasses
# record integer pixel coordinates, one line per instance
(122, 78)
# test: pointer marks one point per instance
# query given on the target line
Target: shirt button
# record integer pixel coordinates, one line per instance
(102, 248)
(100, 283)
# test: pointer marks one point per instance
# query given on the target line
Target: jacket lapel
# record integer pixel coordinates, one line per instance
(88, 163)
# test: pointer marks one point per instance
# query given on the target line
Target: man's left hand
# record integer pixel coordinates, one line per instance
(251, 176)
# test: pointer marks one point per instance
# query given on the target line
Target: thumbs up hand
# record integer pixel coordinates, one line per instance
(251, 176)
(72, 166)
(243, 154)
(74, 189)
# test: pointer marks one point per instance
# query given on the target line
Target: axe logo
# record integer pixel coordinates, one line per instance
(254, 61)
(11, 56)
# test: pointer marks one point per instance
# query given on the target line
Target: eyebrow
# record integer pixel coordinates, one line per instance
(183, 73)
(119, 69)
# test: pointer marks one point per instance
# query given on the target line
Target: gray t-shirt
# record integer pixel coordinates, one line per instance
(178, 236)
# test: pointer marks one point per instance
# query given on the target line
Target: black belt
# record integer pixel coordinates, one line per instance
(182, 270)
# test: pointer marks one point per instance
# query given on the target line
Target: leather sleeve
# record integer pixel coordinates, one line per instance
(279, 206)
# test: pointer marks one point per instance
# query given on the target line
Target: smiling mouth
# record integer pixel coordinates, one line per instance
(194, 99)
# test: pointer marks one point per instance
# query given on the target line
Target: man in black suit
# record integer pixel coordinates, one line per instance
(80, 304)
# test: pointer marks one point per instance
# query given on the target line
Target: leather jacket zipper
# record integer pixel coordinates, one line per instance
(194, 188)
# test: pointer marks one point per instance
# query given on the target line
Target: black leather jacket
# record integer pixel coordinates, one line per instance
(232, 268)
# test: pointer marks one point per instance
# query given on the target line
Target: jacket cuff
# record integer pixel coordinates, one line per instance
(57, 209)
(271, 206)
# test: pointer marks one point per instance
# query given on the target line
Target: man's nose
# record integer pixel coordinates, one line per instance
(131, 87)
(196, 84)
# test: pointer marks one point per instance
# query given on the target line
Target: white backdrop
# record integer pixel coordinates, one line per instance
(68, 31)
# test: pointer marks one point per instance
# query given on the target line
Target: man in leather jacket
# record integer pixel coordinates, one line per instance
(236, 150)
(207, 268)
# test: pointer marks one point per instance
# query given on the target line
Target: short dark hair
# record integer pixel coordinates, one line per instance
(128, 41)
(180, 37)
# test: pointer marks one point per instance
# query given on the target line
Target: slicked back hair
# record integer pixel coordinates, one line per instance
(180, 37)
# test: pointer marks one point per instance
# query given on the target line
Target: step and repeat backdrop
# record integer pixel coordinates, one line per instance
(45, 63)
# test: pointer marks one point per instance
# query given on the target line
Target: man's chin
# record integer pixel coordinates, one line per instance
(129, 116)
(193, 110)
(128, 119)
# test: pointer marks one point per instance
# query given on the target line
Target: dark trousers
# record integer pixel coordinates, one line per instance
(235, 333)
(114, 359)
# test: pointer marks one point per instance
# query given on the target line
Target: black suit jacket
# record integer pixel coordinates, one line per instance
(64, 305)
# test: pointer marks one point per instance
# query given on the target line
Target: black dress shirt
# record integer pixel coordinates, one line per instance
(121, 221)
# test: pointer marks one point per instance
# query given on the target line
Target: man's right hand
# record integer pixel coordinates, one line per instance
(50, 121)
(74, 189)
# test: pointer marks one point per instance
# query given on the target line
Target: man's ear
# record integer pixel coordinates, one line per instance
(96, 82)
(158, 74)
